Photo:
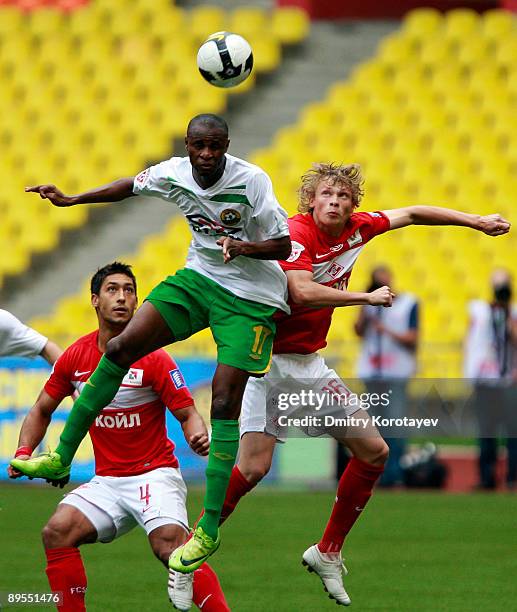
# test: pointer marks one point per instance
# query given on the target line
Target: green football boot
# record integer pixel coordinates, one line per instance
(47, 466)
(194, 552)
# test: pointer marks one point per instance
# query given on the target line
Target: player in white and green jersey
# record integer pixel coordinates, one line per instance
(230, 283)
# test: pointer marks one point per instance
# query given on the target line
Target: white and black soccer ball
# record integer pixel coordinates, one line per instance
(225, 59)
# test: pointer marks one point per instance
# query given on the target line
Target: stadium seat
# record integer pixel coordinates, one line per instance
(290, 25)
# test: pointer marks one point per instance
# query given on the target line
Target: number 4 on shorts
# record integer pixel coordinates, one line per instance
(144, 494)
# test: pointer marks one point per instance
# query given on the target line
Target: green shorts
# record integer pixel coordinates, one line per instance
(242, 329)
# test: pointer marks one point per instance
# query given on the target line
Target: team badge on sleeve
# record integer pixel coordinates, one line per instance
(296, 251)
(142, 177)
(177, 379)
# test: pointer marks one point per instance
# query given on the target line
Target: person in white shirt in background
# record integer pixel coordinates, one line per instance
(388, 357)
(18, 340)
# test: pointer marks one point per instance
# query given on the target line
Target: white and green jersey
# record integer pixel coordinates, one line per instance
(242, 205)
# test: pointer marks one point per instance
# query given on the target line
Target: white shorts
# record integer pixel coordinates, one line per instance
(116, 504)
(295, 372)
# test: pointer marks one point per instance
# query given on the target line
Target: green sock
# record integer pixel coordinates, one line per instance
(221, 458)
(98, 392)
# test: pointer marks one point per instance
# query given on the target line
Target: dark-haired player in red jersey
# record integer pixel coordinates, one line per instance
(327, 237)
(137, 481)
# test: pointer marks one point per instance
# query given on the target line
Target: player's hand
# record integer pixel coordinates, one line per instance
(381, 297)
(231, 248)
(494, 225)
(14, 473)
(52, 193)
(199, 443)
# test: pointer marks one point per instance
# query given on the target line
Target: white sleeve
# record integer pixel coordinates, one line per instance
(267, 212)
(154, 181)
(16, 339)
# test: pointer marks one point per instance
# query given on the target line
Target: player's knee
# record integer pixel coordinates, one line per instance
(379, 453)
(163, 548)
(375, 451)
(255, 471)
(55, 535)
(224, 406)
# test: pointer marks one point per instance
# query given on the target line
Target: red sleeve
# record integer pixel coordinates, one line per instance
(373, 224)
(58, 386)
(302, 240)
(169, 384)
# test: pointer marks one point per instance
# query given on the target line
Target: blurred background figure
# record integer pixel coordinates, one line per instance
(388, 357)
(490, 359)
(18, 340)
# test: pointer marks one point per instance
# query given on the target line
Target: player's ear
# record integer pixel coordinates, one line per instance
(186, 142)
(95, 300)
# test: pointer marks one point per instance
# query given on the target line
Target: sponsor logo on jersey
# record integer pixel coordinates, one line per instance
(356, 238)
(375, 214)
(334, 249)
(230, 216)
(335, 270)
(133, 378)
(207, 226)
(296, 251)
(142, 177)
(118, 421)
(177, 379)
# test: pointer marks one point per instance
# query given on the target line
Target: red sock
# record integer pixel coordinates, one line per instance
(237, 488)
(65, 572)
(208, 595)
(353, 492)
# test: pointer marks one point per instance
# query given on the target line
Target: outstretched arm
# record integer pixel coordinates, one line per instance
(306, 292)
(112, 192)
(51, 352)
(493, 225)
(34, 427)
(276, 248)
(194, 429)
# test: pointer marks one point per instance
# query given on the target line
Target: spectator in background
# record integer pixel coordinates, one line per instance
(18, 340)
(490, 359)
(388, 358)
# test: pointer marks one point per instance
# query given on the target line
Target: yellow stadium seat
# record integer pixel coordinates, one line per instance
(266, 54)
(422, 23)
(205, 20)
(249, 21)
(460, 24)
(395, 49)
(290, 25)
(497, 25)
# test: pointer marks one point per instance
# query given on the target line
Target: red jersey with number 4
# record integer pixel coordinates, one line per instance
(330, 260)
(129, 436)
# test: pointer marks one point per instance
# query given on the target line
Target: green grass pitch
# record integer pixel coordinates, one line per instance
(410, 551)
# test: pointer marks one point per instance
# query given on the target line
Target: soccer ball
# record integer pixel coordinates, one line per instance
(225, 59)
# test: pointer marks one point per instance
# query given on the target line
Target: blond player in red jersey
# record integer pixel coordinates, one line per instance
(138, 480)
(327, 237)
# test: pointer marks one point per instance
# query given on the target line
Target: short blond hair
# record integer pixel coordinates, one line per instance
(349, 175)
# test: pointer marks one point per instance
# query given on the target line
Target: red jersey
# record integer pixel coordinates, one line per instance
(129, 436)
(331, 260)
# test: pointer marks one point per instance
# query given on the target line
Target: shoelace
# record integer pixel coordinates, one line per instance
(179, 580)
